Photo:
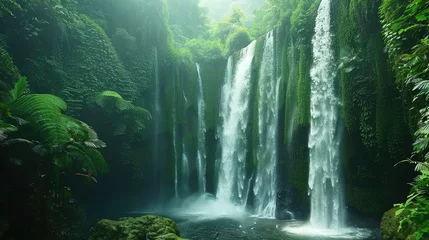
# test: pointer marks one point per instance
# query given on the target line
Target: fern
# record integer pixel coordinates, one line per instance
(19, 89)
(44, 112)
(68, 140)
(91, 159)
(129, 117)
(14, 141)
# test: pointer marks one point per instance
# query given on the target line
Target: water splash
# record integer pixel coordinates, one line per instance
(327, 208)
(266, 152)
(234, 119)
(201, 154)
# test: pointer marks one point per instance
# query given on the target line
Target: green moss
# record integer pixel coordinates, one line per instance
(239, 39)
(252, 163)
(146, 227)
(372, 113)
(390, 227)
(8, 71)
(304, 88)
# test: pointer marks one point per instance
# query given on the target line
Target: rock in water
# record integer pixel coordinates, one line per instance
(141, 228)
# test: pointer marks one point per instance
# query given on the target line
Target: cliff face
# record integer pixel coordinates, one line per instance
(76, 48)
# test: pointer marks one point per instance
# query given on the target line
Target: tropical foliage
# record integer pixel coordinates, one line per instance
(64, 137)
(126, 118)
(406, 27)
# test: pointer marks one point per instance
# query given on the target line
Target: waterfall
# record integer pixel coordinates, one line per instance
(174, 117)
(324, 181)
(185, 172)
(266, 152)
(156, 118)
(234, 119)
(201, 155)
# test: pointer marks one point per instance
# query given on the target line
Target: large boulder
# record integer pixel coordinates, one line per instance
(390, 224)
(141, 228)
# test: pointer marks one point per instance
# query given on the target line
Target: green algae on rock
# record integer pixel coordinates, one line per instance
(145, 227)
(390, 227)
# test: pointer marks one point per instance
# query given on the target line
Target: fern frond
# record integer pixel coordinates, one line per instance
(44, 112)
(95, 143)
(19, 120)
(422, 166)
(112, 99)
(6, 127)
(145, 114)
(91, 159)
(79, 130)
(14, 141)
(109, 94)
(3, 134)
(19, 89)
(97, 159)
(63, 160)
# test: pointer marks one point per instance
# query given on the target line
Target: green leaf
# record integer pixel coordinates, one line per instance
(399, 211)
(19, 89)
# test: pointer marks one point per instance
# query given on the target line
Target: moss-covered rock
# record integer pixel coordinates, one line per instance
(8, 71)
(145, 227)
(390, 224)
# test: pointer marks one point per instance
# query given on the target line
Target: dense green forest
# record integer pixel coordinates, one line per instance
(110, 106)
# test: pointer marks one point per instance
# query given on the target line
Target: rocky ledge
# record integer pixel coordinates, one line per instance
(141, 228)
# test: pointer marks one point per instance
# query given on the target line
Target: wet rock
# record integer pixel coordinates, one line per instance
(390, 224)
(141, 228)
(285, 215)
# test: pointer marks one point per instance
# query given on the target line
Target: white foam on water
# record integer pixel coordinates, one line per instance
(316, 231)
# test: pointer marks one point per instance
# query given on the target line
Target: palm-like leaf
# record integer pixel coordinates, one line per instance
(19, 89)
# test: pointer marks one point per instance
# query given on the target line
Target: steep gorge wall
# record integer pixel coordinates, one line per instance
(79, 48)
(375, 135)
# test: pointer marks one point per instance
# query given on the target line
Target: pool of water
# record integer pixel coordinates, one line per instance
(249, 228)
(205, 218)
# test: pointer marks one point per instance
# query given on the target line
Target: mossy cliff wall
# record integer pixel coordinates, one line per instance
(78, 48)
(375, 136)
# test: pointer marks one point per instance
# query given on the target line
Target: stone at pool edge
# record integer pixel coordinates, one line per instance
(389, 227)
(141, 228)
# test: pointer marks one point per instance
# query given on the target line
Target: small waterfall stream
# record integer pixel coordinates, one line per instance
(201, 154)
(235, 116)
(156, 118)
(265, 187)
(324, 181)
(174, 128)
(185, 171)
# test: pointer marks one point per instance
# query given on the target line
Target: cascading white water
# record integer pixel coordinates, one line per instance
(235, 117)
(201, 154)
(266, 152)
(324, 181)
(185, 171)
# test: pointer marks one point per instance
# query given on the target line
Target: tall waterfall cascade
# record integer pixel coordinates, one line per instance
(234, 114)
(265, 188)
(201, 154)
(327, 208)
